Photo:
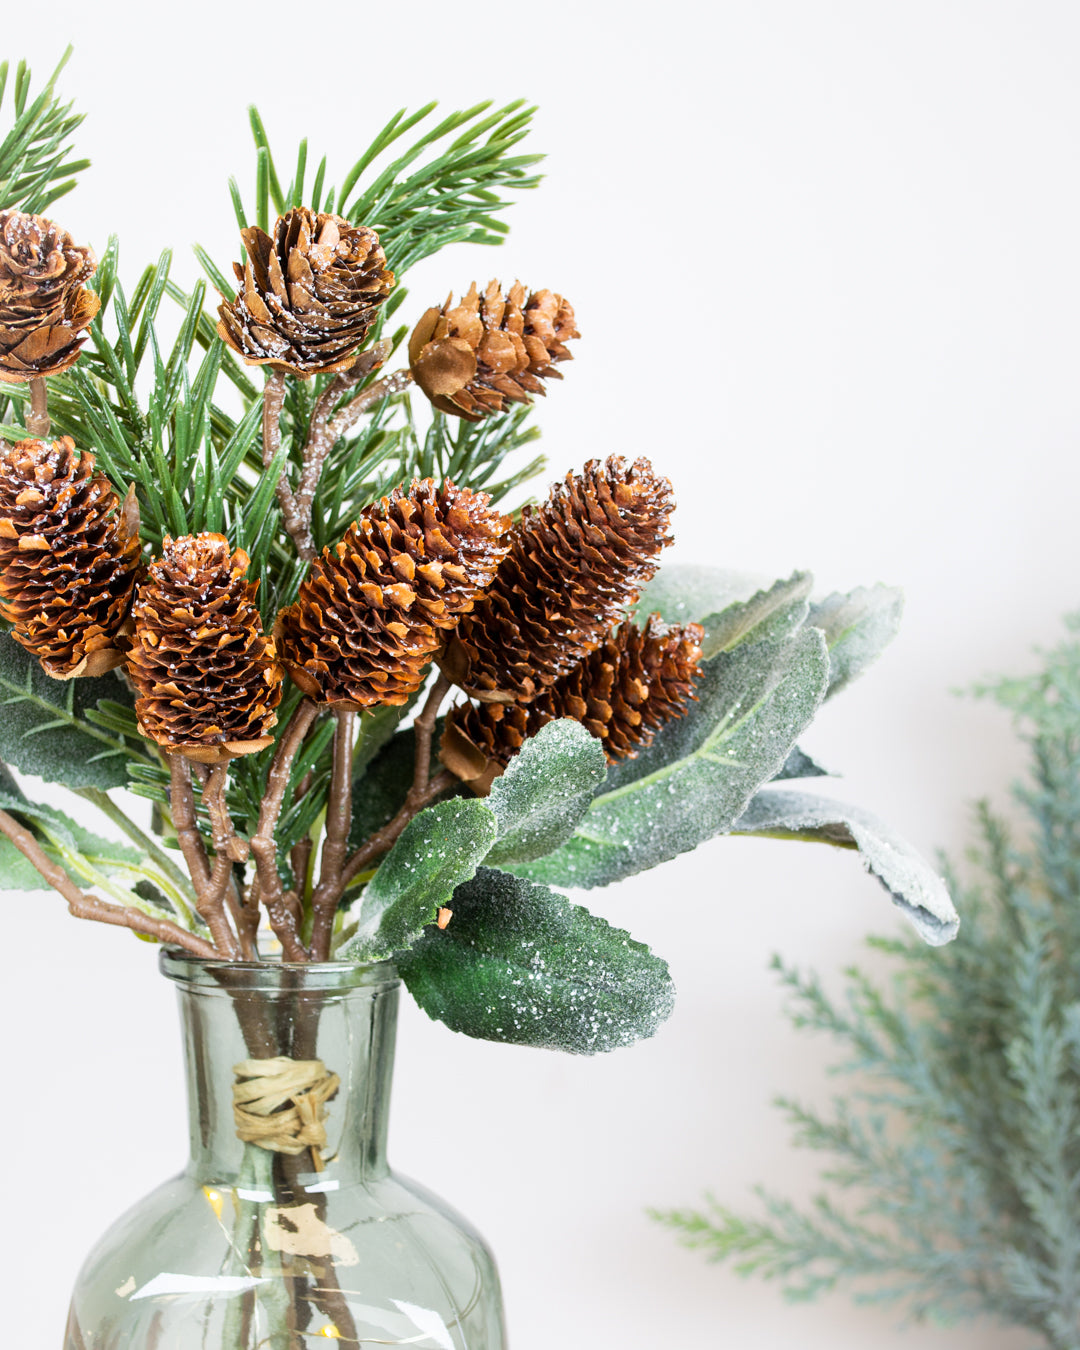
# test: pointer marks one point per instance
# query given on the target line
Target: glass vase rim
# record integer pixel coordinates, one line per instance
(221, 975)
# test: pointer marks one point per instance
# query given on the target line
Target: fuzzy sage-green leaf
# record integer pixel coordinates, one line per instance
(520, 964)
(45, 730)
(439, 849)
(916, 889)
(697, 776)
(546, 789)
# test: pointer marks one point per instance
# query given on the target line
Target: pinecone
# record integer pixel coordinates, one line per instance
(43, 304)
(622, 692)
(375, 607)
(307, 296)
(69, 554)
(471, 357)
(206, 675)
(575, 563)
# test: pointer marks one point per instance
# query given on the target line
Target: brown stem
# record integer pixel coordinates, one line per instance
(301, 851)
(227, 850)
(325, 1288)
(325, 431)
(336, 844)
(185, 822)
(263, 847)
(247, 922)
(84, 906)
(424, 727)
(37, 419)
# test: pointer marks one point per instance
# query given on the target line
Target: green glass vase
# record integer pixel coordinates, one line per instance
(287, 1228)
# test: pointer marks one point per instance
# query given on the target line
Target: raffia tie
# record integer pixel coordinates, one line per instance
(280, 1104)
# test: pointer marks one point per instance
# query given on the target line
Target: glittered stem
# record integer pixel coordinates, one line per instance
(325, 431)
(336, 843)
(37, 419)
(281, 915)
(396, 383)
(84, 906)
(273, 402)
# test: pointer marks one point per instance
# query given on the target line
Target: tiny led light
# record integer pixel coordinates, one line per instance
(214, 1200)
(330, 1332)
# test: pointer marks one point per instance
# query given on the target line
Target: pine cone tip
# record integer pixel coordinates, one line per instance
(308, 295)
(473, 358)
(44, 306)
(69, 557)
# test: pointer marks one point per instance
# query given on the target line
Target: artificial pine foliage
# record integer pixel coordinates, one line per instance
(954, 1155)
(310, 560)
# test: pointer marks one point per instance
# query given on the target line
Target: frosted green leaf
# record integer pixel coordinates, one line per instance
(769, 615)
(702, 768)
(520, 964)
(44, 728)
(686, 592)
(857, 627)
(800, 765)
(438, 850)
(16, 874)
(67, 832)
(916, 889)
(731, 606)
(545, 791)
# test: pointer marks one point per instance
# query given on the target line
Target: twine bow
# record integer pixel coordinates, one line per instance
(279, 1104)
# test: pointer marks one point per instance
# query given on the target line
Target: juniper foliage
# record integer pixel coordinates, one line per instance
(954, 1172)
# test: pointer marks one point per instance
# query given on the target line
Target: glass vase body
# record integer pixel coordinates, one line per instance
(253, 1249)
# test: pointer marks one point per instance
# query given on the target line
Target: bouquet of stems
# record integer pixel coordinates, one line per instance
(257, 565)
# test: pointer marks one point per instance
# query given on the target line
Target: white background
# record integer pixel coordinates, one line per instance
(825, 261)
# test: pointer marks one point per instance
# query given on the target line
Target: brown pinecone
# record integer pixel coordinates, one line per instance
(69, 554)
(206, 674)
(470, 357)
(622, 692)
(375, 607)
(307, 296)
(575, 563)
(44, 306)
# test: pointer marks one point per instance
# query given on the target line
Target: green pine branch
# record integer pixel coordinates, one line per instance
(36, 167)
(446, 186)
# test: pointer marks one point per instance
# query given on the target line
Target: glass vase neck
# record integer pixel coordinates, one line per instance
(259, 1025)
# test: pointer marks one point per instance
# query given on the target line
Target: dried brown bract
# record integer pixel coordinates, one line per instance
(69, 556)
(575, 563)
(206, 674)
(623, 693)
(376, 607)
(44, 306)
(470, 359)
(308, 295)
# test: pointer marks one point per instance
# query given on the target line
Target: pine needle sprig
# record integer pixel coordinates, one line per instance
(453, 195)
(35, 165)
(954, 1157)
(473, 452)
